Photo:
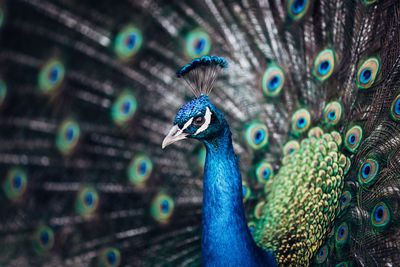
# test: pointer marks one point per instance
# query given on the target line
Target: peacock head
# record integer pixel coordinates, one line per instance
(199, 118)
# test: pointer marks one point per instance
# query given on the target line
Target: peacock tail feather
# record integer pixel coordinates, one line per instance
(88, 92)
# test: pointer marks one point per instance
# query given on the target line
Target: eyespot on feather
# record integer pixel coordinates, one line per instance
(273, 81)
(87, 201)
(345, 200)
(342, 233)
(162, 207)
(127, 42)
(51, 76)
(291, 147)
(252, 227)
(15, 184)
(198, 43)
(257, 135)
(353, 138)
(380, 215)
(139, 170)
(43, 239)
(123, 108)
(264, 171)
(3, 91)
(297, 8)
(368, 2)
(67, 136)
(315, 132)
(110, 257)
(246, 191)
(368, 172)
(301, 120)
(322, 255)
(324, 64)
(395, 108)
(333, 113)
(367, 73)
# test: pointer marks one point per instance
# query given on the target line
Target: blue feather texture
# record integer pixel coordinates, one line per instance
(226, 239)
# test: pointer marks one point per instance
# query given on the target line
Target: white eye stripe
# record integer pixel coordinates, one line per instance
(206, 123)
(187, 124)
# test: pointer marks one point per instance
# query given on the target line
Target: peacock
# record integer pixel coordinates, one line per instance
(290, 111)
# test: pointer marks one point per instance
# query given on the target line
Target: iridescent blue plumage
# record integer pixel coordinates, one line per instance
(225, 234)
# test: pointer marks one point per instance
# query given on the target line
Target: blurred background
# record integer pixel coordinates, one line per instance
(87, 94)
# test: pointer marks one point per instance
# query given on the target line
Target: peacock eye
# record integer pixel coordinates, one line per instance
(324, 64)
(367, 73)
(272, 81)
(333, 112)
(342, 233)
(43, 239)
(353, 138)
(198, 43)
(368, 171)
(198, 121)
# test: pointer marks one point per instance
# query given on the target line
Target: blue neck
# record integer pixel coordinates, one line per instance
(226, 240)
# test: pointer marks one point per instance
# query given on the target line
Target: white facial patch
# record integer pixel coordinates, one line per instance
(207, 122)
(187, 124)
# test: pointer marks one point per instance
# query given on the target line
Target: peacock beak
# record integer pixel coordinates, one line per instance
(175, 134)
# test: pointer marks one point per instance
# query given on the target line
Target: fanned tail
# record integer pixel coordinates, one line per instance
(87, 94)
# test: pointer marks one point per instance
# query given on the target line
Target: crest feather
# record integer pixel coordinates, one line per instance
(201, 73)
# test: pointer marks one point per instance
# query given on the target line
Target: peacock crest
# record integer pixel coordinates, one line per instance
(200, 74)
